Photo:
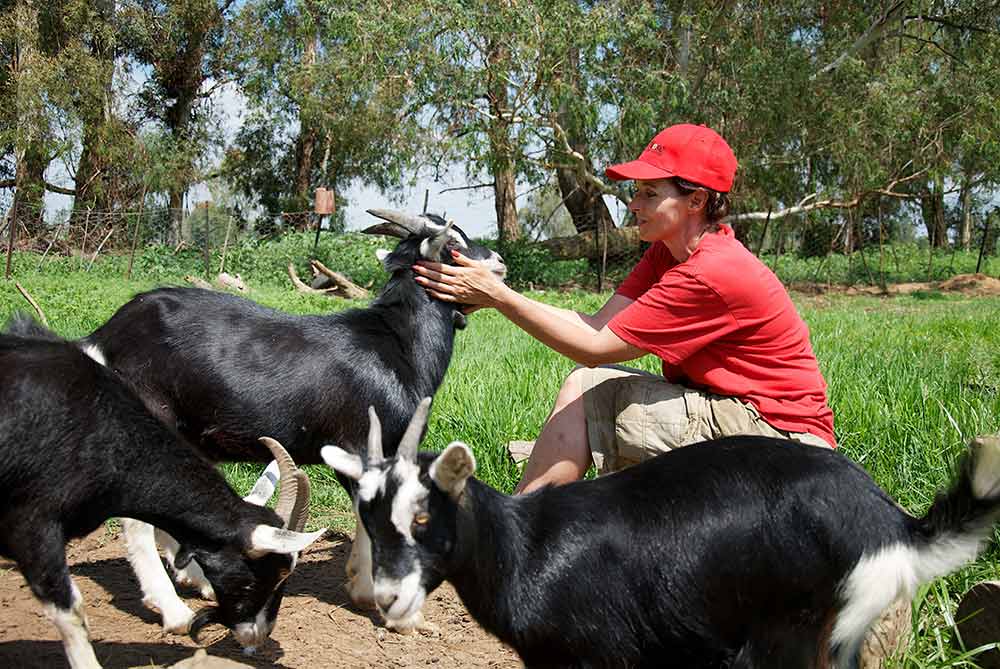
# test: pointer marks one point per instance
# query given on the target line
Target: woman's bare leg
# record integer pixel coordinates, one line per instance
(561, 453)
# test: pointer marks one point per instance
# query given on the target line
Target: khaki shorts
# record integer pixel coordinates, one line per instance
(633, 415)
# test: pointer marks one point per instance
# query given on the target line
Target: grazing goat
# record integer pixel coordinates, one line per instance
(738, 552)
(225, 370)
(78, 447)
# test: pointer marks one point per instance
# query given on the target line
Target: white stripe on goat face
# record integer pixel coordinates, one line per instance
(409, 498)
(372, 482)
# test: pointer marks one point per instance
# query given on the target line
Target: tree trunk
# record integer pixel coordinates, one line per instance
(504, 178)
(582, 200)
(305, 148)
(504, 200)
(92, 180)
(584, 203)
(932, 208)
(965, 231)
(30, 193)
(585, 245)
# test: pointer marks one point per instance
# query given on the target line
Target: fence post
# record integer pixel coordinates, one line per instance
(225, 244)
(135, 236)
(982, 247)
(11, 228)
(208, 252)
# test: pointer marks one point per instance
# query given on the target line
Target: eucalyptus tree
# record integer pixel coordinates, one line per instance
(326, 85)
(183, 48)
(33, 130)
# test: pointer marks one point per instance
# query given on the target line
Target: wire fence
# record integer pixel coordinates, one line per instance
(802, 250)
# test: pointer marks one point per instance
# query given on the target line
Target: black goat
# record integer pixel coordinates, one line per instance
(225, 370)
(739, 552)
(78, 447)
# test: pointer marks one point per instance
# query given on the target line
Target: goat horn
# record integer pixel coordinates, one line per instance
(290, 483)
(206, 616)
(411, 438)
(438, 241)
(300, 511)
(413, 225)
(374, 438)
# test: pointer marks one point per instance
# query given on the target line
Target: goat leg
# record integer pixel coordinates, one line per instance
(157, 589)
(360, 584)
(191, 575)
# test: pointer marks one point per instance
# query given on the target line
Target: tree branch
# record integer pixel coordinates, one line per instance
(873, 32)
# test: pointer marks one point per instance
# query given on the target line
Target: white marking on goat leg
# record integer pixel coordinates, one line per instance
(94, 352)
(191, 575)
(409, 497)
(360, 586)
(74, 630)
(158, 592)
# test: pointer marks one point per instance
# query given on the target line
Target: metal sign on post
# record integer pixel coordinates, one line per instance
(322, 206)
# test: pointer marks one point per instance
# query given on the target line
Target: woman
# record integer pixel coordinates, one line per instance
(736, 356)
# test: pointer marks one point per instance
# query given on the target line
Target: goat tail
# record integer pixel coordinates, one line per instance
(951, 534)
(961, 519)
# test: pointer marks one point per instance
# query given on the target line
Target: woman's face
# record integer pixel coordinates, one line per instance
(660, 209)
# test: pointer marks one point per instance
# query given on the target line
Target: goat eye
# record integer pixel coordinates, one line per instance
(422, 518)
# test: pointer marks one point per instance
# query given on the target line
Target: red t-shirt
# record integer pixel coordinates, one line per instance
(721, 321)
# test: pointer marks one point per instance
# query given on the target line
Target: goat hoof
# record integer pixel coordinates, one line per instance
(416, 624)
(178, 622)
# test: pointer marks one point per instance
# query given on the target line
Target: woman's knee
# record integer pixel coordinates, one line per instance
(572, 388)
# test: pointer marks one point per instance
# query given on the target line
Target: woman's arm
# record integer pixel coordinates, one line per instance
(582, 338)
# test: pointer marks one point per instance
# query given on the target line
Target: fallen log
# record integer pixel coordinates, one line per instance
(342, 285)
(590, 245)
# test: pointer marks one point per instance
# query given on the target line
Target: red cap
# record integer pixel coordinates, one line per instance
(692, 152)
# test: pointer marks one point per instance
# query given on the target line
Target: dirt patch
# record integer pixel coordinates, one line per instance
(317, 626)
(976, 285)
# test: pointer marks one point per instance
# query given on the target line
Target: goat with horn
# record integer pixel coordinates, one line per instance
(77, 447)
(224, 370)
(745, 551)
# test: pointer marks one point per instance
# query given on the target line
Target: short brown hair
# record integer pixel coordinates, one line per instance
(718, 203)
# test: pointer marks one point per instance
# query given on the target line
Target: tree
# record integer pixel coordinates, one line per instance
(184, 45)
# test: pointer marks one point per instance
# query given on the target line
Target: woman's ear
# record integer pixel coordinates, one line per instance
(698, 200)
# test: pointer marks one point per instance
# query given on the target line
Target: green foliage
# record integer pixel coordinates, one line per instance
(531, 265)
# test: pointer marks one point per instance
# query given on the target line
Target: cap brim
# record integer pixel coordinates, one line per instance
(636, 169)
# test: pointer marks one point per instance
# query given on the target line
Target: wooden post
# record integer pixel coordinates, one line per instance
(135, 236)
(982, 247)
(763, 235)
(205, 206)
(323, 205)
(225, 245)
(11, 231)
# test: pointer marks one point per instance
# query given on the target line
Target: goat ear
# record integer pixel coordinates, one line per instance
(183, 557)
(382, 254)
(269, 539)
(452, 469)
(341, 461)
(263, 489)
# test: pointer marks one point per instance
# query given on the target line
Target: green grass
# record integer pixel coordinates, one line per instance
(911, 379)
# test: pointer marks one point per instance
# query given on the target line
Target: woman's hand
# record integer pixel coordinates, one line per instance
(468, 282)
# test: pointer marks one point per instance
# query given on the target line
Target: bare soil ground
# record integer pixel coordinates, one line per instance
(317, 626)
(965, 284)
